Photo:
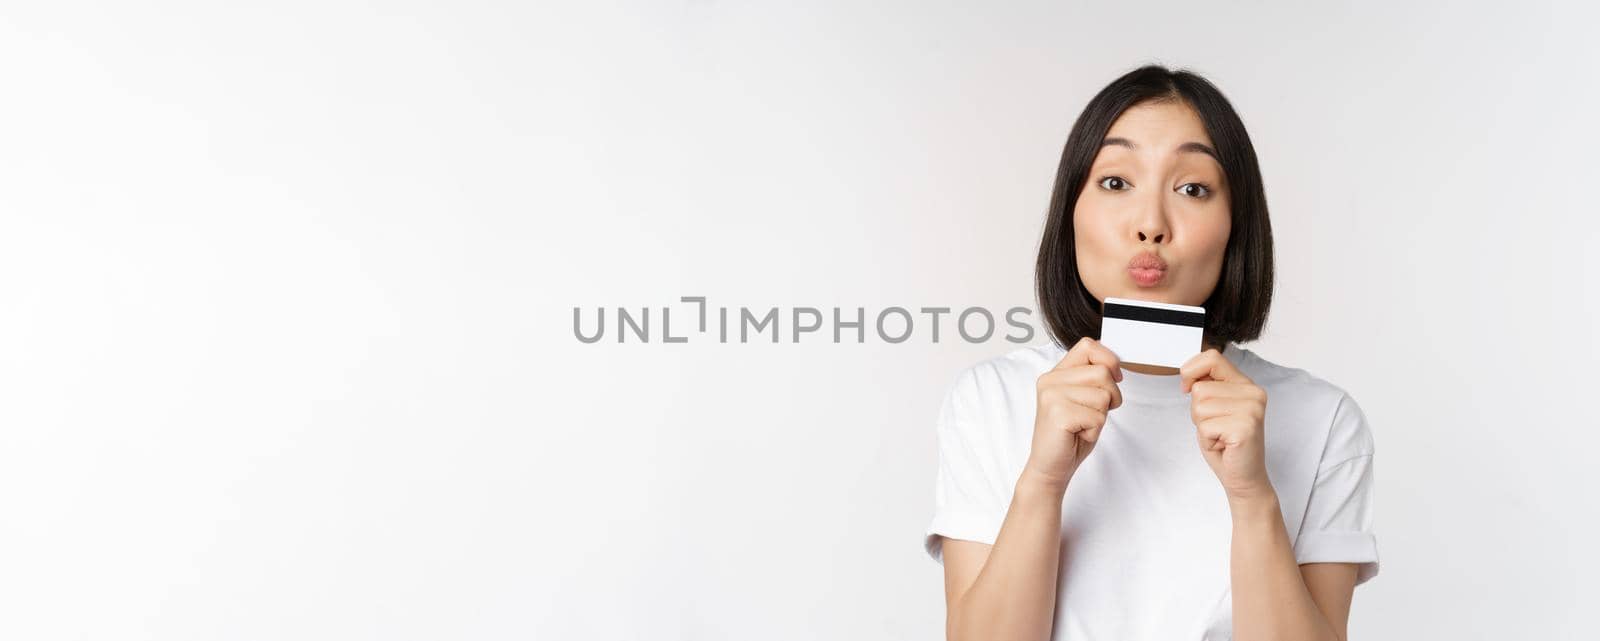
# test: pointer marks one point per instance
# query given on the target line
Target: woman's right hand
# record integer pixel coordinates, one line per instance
(1073, 400)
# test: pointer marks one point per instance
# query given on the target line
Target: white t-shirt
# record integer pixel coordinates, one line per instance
(1145, 526)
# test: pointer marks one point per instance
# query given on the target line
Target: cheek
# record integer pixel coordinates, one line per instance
(1214, 241)
(1095, 234)
(1094, 228)
(1205, 254)
(1202, 232)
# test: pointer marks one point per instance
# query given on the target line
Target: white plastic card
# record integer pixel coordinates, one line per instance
(1148, 333)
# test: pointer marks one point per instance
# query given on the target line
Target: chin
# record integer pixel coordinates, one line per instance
(1158, 293)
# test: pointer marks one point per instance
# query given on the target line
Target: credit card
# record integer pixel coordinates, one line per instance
(1146, 333)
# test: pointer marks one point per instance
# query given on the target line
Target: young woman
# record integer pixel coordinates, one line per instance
(1080, 498)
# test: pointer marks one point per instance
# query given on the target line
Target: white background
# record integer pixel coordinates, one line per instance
(286, 349)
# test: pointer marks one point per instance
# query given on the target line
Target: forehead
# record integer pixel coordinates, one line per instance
(1160, 127)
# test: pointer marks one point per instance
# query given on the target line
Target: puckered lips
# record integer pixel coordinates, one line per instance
(1147, 269)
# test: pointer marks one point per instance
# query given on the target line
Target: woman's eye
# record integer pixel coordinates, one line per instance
(1113, 183)
(1195, 190)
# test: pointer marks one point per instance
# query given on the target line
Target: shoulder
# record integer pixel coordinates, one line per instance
(1018, 368)
(1000, 386)
(989, 406)
(1305, 399)
(1289, 385)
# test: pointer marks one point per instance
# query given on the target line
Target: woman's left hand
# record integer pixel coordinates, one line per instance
(1229, 412)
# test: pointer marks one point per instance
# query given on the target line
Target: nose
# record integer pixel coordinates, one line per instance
(1151, 223)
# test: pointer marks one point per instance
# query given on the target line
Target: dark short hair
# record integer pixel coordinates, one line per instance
(1237, 308)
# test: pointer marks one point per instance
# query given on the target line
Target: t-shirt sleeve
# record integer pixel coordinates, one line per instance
(1338, 524)
(971, 493)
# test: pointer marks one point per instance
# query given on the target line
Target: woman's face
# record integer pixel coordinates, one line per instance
(1152, 221)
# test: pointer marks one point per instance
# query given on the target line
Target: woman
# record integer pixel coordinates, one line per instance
(1086, 499)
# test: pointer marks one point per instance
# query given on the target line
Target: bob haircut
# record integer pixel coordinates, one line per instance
(1237, 308)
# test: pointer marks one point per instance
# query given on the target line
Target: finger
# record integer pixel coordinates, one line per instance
(1072, 414)
(1209, 364)
(1087, 351)
(1220, 389)
(1218, 407)
(1216, 434)
(1210, 439)
(1197, 367)
(1096, 398)
(1093, 375)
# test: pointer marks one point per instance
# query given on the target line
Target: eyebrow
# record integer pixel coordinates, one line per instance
(1185, 147)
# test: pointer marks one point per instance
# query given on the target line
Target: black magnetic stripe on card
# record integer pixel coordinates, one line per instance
(1155, 315)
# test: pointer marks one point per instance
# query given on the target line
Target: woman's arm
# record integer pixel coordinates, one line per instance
(1273, 598)
(1008, 590)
